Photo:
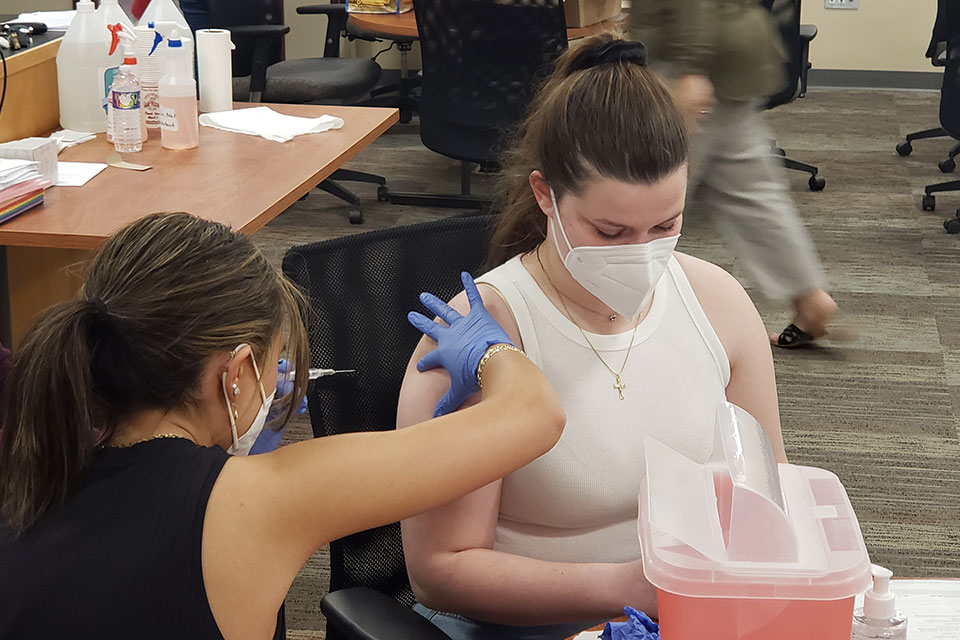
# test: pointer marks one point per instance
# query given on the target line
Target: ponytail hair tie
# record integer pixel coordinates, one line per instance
(100, 309)
(613, 52)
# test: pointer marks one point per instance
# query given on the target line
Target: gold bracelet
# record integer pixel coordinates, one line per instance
(492, 351)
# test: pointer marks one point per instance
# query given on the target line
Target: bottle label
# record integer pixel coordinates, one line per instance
(125, 100)
(105, 76)
(168, 119)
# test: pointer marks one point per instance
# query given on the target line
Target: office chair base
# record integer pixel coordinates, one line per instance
(816, 181)
(952, 225)
(947, 166)
(354, 213)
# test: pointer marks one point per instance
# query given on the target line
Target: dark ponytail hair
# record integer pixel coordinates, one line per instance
(600, 113)
(163, 296)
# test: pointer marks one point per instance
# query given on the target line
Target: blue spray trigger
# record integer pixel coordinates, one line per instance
(157, 39)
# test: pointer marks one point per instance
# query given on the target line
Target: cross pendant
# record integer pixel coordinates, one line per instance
(619, 386)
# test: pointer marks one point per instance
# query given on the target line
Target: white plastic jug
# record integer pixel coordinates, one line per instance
(85, 71)
(111, 12)
(166, 17)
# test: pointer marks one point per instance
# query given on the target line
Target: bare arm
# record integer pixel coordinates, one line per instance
(267, 514)
(753, 384)
(449, 550)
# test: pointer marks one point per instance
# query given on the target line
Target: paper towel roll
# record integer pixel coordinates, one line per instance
(214, 69)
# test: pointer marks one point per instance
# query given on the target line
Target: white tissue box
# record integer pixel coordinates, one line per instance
(41, 150)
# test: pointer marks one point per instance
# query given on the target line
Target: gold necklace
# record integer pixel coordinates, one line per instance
(618, 385)
(156, 437)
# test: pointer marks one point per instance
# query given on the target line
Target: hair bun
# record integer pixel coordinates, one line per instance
(613, 52)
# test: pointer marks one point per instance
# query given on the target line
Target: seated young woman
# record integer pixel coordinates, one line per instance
(638, 339)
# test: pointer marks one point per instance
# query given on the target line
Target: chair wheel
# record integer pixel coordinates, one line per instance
(817, 183)
(952, 225)
(383, 193)
(947, 165)
(779, 152)
(355, 216)
(905, 148)
(929, 202)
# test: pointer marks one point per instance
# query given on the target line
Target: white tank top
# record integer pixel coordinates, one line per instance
(578, 502)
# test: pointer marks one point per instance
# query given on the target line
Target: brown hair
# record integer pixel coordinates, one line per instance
(160, 298)
(613, 119)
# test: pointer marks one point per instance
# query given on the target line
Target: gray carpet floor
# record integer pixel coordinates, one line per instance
(882, 410)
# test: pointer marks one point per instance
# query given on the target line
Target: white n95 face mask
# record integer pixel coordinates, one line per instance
(242, 444)
(622, 276)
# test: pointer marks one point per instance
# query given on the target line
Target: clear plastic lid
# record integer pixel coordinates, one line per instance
(742, 526)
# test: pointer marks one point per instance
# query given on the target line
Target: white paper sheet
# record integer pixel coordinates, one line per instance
(55, 20)
(932, 608)
(77, 174)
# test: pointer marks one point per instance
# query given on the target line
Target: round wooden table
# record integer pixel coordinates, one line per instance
(404, 25)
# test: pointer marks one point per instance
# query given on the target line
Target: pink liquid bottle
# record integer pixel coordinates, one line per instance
(179, 120)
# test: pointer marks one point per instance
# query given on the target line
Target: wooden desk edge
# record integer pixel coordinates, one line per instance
(83, 241)
(33, 56)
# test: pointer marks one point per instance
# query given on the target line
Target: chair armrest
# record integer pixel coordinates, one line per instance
(328, 9)
(260, 30)
(336, 24)
(361, 613)
(808, 32)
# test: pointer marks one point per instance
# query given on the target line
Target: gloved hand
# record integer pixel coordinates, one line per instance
(269, 439)
(460, 345)
(638, 626)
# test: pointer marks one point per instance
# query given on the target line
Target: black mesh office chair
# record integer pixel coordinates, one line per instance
(482, 63)
(950, 121)
(360, 289)
(796, 40)
(328, 80)
(945, 28)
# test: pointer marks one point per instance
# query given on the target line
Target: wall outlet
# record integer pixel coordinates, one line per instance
(841, 4)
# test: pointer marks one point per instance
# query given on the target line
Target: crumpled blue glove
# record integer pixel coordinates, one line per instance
(269, 439)
(638, 626)
(460, 344)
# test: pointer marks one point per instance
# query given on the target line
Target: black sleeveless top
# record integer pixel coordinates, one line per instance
(122, 558)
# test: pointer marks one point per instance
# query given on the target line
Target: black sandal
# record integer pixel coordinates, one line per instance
(793, 337)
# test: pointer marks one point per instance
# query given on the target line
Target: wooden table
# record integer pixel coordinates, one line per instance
(404, 25)
(244, 181)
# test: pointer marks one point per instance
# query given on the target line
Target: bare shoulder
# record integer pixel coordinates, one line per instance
(496, 305)
(724, 300)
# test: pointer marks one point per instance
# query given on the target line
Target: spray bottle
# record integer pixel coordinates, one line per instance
(879, 617)
(127, 121)
(85, 71)
(179, 120)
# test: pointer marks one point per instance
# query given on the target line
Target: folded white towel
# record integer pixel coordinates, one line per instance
(267, 123)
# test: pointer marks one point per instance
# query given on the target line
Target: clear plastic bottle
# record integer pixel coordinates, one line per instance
(129, 125)
(879, 617)
(179, 119)
(85, 71)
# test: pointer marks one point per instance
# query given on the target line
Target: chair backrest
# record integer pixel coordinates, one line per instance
(945, 28)
(787, 18)
(360, 289)
(950, 90)
(235, 13)
(483, 60)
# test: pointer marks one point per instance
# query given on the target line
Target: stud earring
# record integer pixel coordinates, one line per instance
(236, 390)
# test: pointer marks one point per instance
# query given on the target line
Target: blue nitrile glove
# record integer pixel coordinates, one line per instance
(460, 345)
(638, 626)
(269, 439)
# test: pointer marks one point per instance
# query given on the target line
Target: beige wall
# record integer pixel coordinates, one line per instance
(882, 35)
(20, 6)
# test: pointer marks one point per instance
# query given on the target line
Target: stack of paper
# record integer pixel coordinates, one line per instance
(55, 20)
(69, 138)
(21, 187)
